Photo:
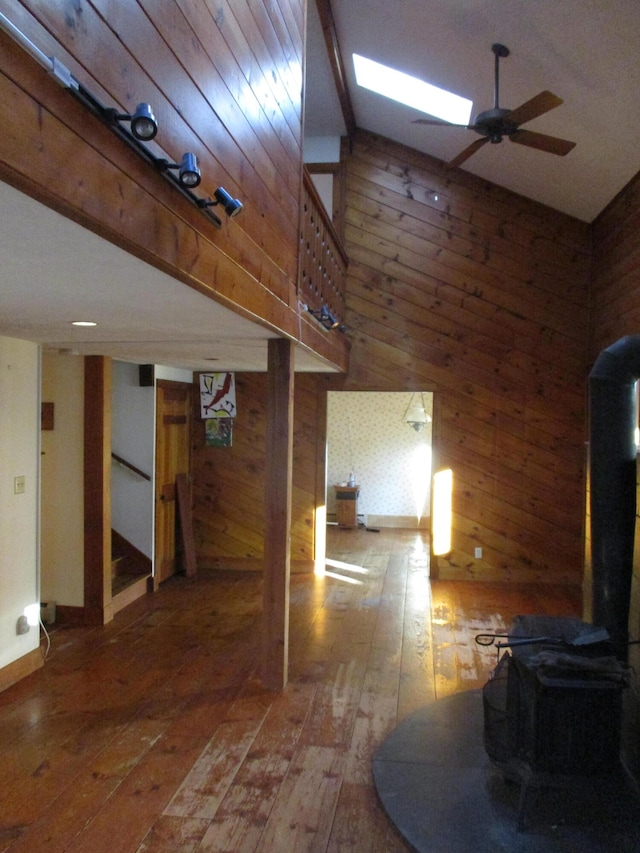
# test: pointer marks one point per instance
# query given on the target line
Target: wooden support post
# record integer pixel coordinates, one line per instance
(277, 550)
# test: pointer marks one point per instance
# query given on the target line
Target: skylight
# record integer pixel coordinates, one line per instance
(411, 91)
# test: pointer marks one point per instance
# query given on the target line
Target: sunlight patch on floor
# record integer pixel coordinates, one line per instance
(344, 578)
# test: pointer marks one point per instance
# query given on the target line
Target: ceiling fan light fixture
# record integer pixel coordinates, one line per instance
(496, 123)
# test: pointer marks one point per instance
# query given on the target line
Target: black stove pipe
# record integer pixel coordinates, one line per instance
(612, 466)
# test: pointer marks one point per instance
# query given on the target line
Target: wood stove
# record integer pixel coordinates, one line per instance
(553, 705)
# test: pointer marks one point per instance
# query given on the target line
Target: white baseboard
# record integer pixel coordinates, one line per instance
(407, 521)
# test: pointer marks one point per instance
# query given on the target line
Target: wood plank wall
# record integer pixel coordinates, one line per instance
(229, 483)
(615, 312)
(616, 271)
(459, 287)
(224, 80)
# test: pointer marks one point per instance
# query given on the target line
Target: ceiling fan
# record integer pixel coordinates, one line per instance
(494, 124)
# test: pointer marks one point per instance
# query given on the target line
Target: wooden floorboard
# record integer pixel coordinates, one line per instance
(153, 734)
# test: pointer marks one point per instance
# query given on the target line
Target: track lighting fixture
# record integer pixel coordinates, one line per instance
(188, 171)
(231, 206)
(143, 127)
(142, 122)
(325, 318)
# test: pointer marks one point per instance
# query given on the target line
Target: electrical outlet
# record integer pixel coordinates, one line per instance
(478, 553)
(18, 485)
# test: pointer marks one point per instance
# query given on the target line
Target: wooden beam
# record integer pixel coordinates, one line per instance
(277, 550)
(335, 60)
(97, 490)
(183, 491)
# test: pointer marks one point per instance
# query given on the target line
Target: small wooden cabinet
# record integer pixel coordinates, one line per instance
(347, 505)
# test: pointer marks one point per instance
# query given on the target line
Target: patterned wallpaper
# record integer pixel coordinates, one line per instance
(367, 434)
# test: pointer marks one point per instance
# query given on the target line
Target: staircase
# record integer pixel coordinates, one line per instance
(130, 572)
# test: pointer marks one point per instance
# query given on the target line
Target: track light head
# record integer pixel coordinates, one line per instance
(143, 122)
(188, 170)
(325, 318)
(231, 206)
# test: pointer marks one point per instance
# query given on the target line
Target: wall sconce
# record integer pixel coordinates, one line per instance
(416, 415)
(231, 206)
(325, 318)
(142, 122)
(188, 171)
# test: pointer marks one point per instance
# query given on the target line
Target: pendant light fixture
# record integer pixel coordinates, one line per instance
(416, 415)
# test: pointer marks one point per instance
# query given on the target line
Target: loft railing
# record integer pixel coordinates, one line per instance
(323, 262)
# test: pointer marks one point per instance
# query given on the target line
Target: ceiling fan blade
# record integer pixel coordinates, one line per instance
(542, 142)
(468, 151)
(537, 106)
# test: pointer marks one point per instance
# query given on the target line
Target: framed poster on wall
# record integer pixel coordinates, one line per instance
(217, 395)
(218, 432)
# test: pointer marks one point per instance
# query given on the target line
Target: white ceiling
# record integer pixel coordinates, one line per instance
(53, 272)
(585, 51)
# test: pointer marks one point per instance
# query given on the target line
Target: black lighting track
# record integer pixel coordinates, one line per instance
(108, 116)
(111, 117)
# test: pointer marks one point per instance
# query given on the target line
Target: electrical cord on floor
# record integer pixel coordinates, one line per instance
(46, 633)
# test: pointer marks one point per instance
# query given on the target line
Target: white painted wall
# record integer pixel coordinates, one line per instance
(323, 149)
(19, 456)
(52, 464)
(175, 374)
(324, 186)
(366, 433)
(133, 439)
(62, 471)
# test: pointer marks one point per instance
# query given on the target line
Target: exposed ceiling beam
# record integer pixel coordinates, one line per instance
(335, 59)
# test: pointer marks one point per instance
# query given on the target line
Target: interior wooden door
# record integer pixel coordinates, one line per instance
(173, 426)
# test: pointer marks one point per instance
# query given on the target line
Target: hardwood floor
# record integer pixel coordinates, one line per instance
(153, 733)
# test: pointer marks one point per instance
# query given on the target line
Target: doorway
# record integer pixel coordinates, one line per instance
(368, 434)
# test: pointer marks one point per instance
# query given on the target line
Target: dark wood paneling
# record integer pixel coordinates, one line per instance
(616, 271)
(229, 483)
(459, 287)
